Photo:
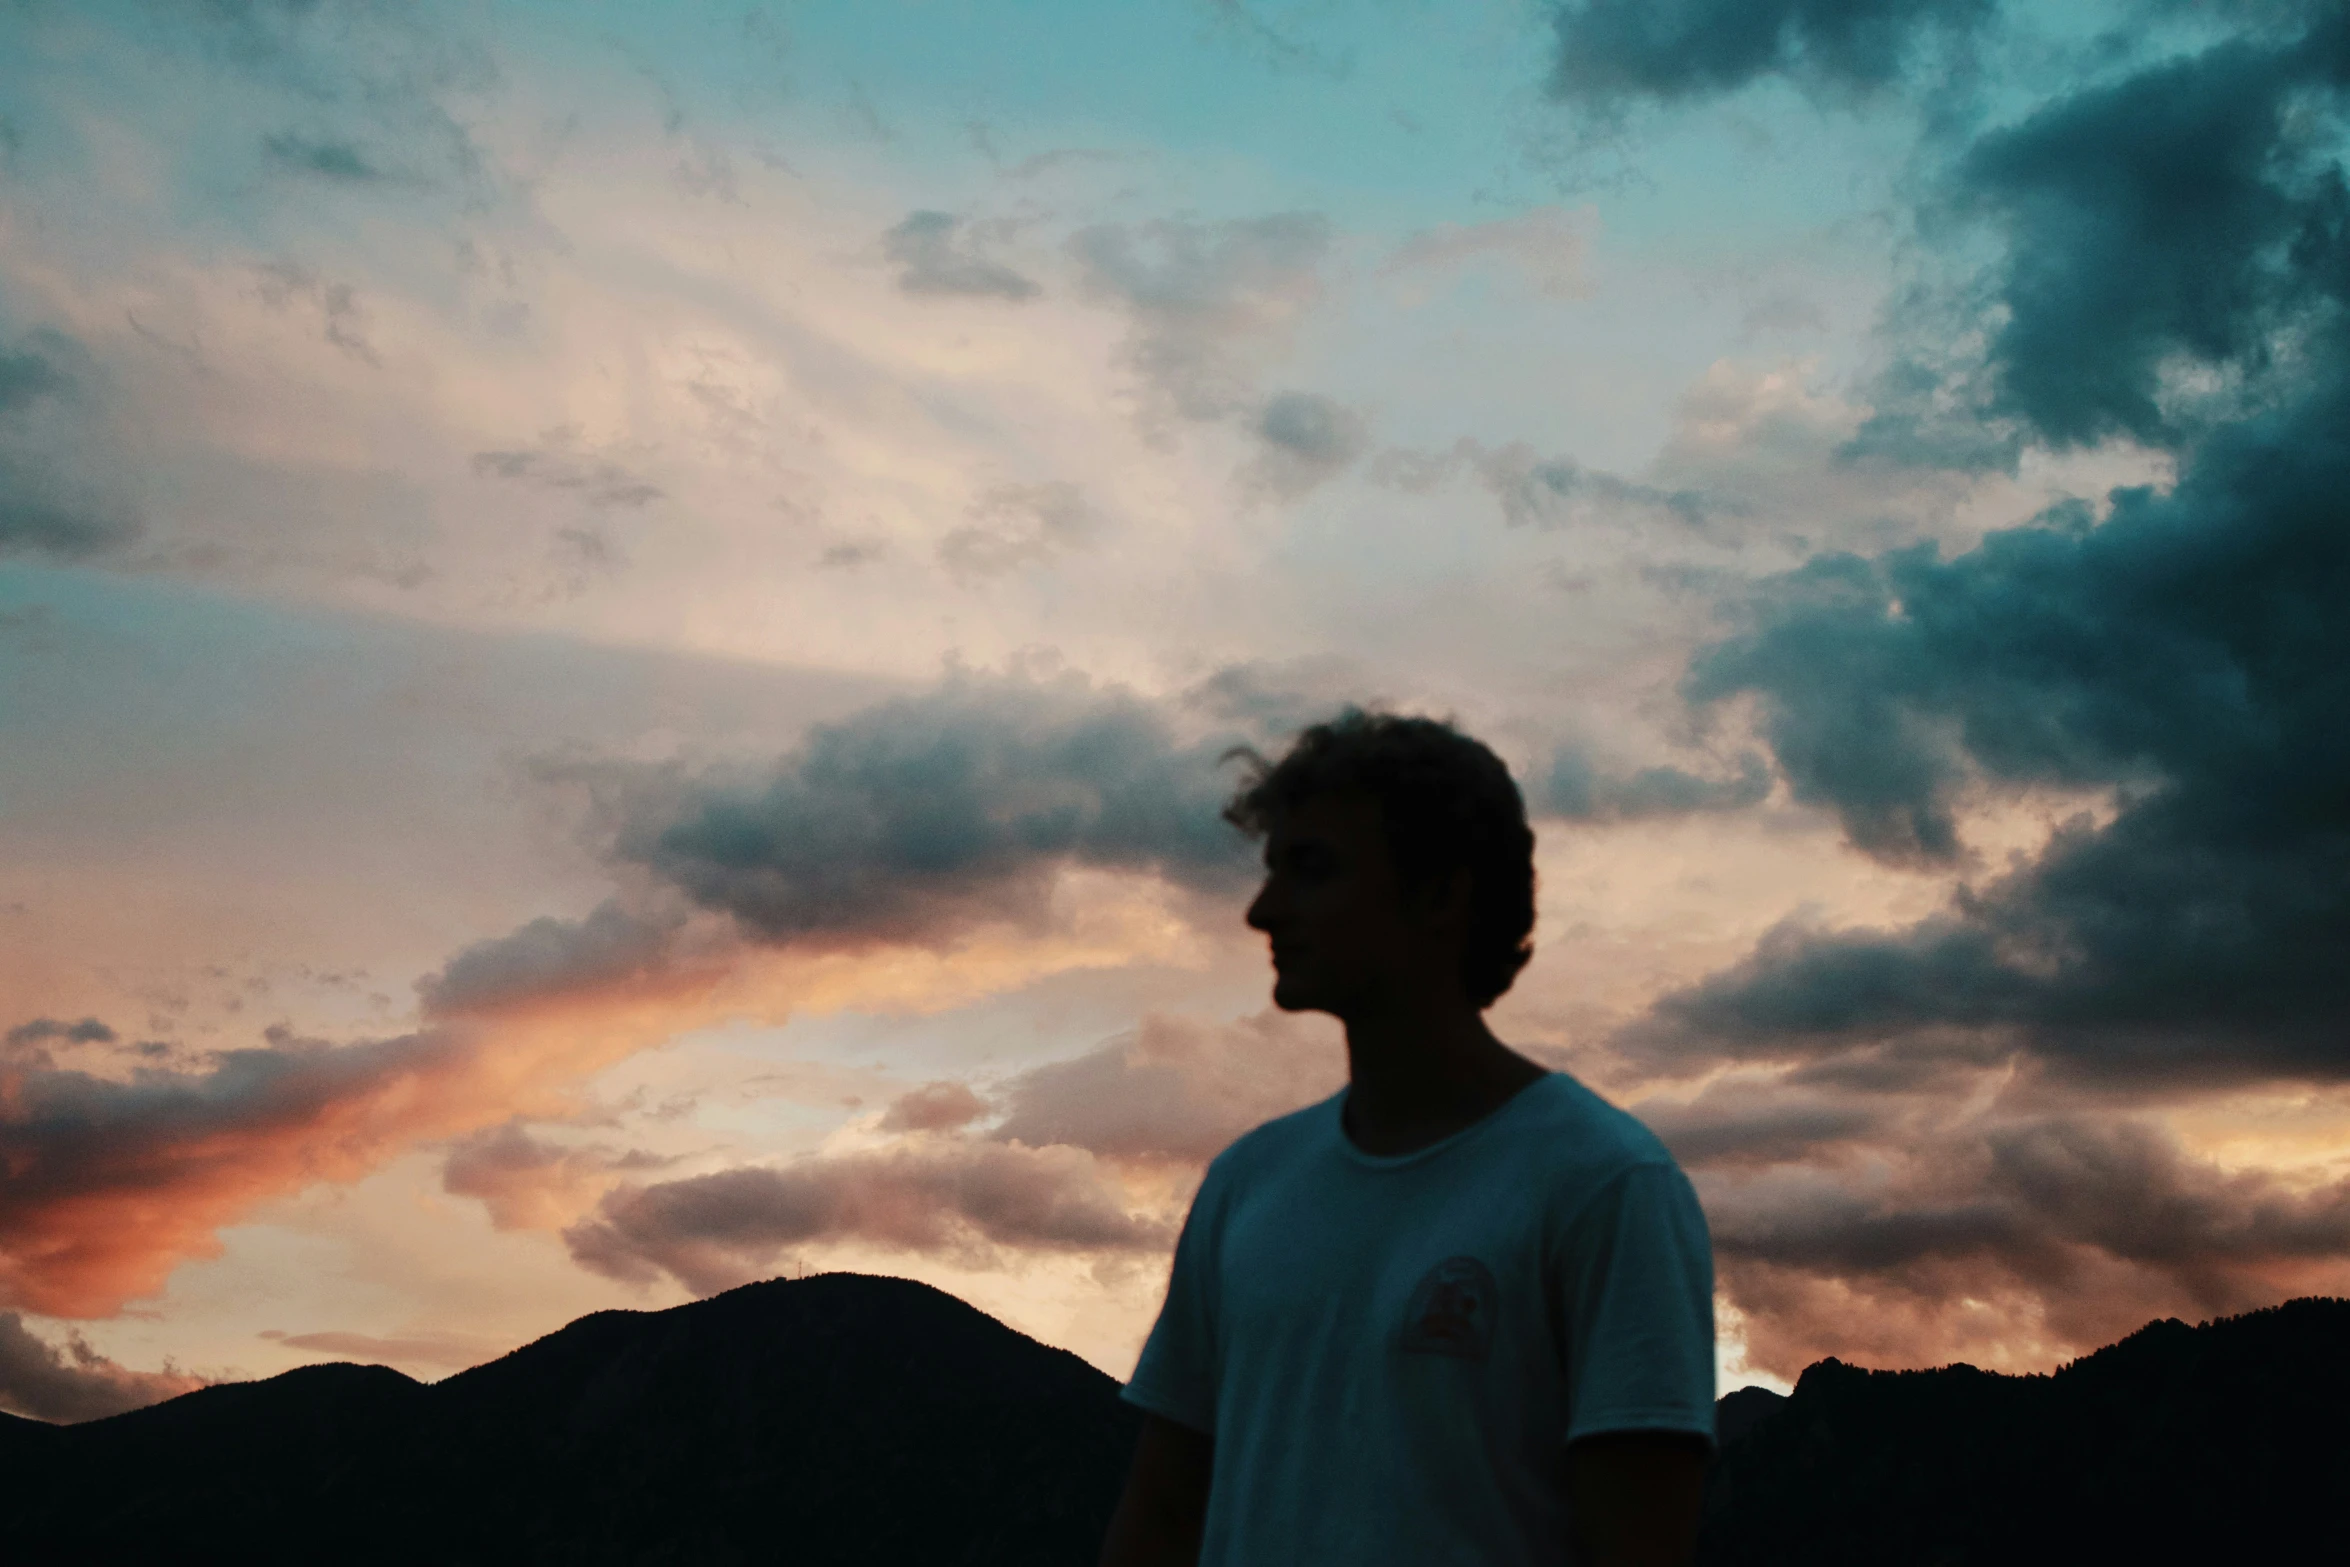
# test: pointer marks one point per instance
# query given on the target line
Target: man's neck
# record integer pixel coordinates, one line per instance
(1418, 1075)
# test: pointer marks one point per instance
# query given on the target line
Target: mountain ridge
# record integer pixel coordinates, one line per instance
(854, 1419)
(2219, 1441)
(838, 1418)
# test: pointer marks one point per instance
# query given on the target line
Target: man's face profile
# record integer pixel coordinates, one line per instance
(1332, 907)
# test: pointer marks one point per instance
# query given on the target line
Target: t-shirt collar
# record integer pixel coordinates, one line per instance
(1334, 1112)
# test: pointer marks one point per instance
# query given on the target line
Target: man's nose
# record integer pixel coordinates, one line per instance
(1261, 909)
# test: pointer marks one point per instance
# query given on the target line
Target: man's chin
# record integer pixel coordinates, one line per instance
(1291, 993)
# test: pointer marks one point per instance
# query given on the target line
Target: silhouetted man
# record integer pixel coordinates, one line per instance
(1462, 1311)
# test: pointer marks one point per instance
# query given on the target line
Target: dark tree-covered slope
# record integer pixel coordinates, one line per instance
(833, 1419)
(2220, 1443)
(845, 1419)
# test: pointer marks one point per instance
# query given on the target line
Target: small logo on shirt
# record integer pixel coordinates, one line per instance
(1452, 1310)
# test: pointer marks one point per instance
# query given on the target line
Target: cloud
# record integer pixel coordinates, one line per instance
(916, 819)
(1175, 1090)
(935, 253)
(118, 1171)
(934, 1107)
(1274, 699)
(959, 1199)
(359, 78)
(1549, 493)
(1548, 246)
(1305, 438)
(1613, 50)
(2165, 266)
(2009, 1241)
(1042, 1176)
(452, 1350)
(556, 464)
(528, 1183)
(26, 376)
(2186, 654)
(1279, 50)
(323, 157)
(1015, 525)
(49, 445)
(1737, 1122)
(43, 1381)
(1580, 790)
(88, 1031)
(1915, 1155)
(549, 956)
(2181, 659)
(111, 1182)
(342, 319)
(2184, 214)
(1206, 300)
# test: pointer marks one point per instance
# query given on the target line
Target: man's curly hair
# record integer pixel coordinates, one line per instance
(1448, 804)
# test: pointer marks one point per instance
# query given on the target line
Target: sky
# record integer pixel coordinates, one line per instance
(618, 625)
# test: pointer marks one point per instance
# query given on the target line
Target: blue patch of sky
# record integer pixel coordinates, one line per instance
(1417, 114)
(1389, 118)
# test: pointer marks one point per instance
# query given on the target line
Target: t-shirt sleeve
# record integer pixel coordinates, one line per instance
(1636, 1295)
(1176, 1376)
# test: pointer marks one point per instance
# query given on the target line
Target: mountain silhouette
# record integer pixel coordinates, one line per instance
(853, 1420)
(2219, 1443)
(839, 1418)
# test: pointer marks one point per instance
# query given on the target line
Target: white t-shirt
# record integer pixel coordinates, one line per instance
(1391, 1352)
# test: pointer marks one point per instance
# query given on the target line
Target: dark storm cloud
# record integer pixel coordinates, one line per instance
(934, 254)
(2188, 653)
(43, 1381)
(2187, 656)
(2174, 249)
(2195, 211)
(915, 818)
(1610, 50)
(960, 1199)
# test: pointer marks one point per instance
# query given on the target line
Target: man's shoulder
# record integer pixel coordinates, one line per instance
(1272, 1142)
(1279, 1135)
(1580, 1134)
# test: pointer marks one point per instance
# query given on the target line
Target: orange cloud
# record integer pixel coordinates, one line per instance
(111, 1182)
